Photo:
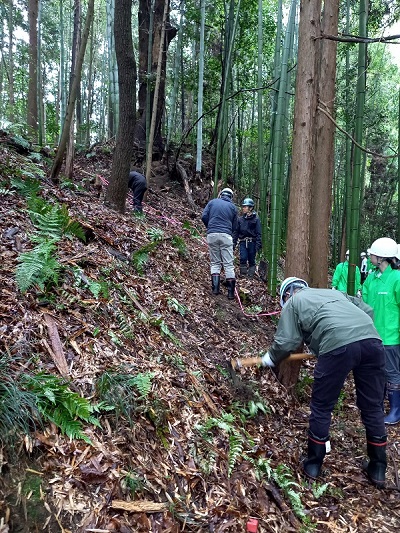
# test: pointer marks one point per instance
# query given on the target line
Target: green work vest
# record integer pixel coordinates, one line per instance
(381, 290)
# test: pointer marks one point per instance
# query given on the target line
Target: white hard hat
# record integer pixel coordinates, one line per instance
(397, 256)
(363, 254)
(347, 252)
(288, 285)
(384, 247)
(226, 192)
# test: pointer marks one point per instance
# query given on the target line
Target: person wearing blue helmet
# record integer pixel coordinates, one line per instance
(339, 331)
(248, 235)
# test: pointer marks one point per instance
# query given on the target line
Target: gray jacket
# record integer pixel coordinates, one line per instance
(324, 319)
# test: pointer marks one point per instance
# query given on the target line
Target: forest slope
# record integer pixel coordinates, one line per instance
(140, 330)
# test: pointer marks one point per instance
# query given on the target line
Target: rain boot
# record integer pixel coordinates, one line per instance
(243, 270)
(215, 283)
(393, 392)
(230, 283)
(376, 468)
(316, 453)
(251, 272)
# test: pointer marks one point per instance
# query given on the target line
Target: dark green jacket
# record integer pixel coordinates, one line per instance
(324, 320)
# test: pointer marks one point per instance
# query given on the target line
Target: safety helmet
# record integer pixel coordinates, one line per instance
(347, 252)
(363, 254)
(397, 256)
(289, 285)
(384, 247)
(248, 202)
(226, 192)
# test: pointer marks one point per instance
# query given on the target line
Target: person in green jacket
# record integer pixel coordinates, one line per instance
(339, 330)
(381, 290)
(341, 274)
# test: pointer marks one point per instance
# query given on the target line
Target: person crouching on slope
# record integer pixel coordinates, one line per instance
(339, 330)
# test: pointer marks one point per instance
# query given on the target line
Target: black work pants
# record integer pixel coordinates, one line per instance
(247, 252)
(138, 194)
(366, 359)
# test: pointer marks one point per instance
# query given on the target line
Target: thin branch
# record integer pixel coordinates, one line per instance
(343, 38)
(325, 112)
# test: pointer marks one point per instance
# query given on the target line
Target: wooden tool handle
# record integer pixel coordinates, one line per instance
(254, 361)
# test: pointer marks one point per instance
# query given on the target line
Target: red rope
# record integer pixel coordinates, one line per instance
(177, 223)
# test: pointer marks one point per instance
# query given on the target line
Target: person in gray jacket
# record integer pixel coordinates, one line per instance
(339, 330)
(220, 219)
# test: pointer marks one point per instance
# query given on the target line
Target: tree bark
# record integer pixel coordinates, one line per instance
(302, 167)
(118, 187)
(32, 119)
(72, 96)
(170, 32)
(324, 153)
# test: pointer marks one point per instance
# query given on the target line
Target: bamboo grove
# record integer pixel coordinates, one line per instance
(231, 80)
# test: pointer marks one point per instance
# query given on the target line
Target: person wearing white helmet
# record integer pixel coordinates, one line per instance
(381, 290)
(341, 274)
(339, 331)
(220, 218)
(363, 267)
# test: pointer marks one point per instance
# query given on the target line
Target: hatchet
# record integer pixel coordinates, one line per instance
(254, 361)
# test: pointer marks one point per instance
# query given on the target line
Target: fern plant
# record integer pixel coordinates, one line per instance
(176, 306)
(155, 234)
(127, 392)
(65, 408)
(53, 221)
(38, 266)
(139, 260)
(28, 187)
(180, 244)
(18, 411)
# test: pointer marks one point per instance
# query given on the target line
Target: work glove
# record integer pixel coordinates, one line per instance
(358, 293)
(334, 288)
(266, 360)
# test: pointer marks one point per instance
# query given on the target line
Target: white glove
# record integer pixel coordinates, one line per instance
(358, 294)
(334, 288)
(266, 360)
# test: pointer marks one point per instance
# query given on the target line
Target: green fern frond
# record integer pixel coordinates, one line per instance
(180, 244)
(155, 234)
(38, 266)
(139, 260)
(28, 187)
(142, 382)
(235, 450)
(124, 325)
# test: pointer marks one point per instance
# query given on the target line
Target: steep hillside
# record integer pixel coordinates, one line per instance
(181, 444)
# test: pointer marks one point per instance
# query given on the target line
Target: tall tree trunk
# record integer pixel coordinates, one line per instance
(144, 17)
(200, 89)
(324, 152)
(11, 101)
(118, 187)
(32, 119)
(76, 41)
(354, 220)
(302, 167)
(72, 96)
(149, 158)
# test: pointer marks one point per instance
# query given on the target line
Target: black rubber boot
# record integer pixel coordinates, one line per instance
(230, 283)
(251, 272)
(215, 283)
(393, 393)
(243, 270)
(316, 453)
(376, 468)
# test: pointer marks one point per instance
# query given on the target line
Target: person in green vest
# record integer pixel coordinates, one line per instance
(339, 280)
(381, 291)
